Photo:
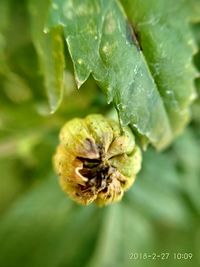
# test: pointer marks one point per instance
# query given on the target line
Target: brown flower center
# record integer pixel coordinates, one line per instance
(98, 174)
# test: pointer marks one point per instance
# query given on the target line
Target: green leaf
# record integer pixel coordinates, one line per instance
(50, 50)
(123, 231)
(141, 61)
(188, 163)
(160, 180)
(45, 224)
(11, 184)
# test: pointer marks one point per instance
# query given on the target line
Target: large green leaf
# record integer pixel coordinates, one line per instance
(142, 60)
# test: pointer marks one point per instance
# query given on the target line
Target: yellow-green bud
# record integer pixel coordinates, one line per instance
(95, 161)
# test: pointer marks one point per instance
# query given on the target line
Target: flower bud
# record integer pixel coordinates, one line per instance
(95, 160)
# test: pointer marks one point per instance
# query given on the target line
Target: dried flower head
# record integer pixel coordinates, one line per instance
(95, 161)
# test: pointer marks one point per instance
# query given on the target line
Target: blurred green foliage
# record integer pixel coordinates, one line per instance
(39, 225)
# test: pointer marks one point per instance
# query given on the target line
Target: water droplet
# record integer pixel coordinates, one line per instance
(106, 48)
(80, 61)
(46, 30)
(168, 92)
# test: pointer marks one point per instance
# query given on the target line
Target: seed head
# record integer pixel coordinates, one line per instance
(95, 161)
